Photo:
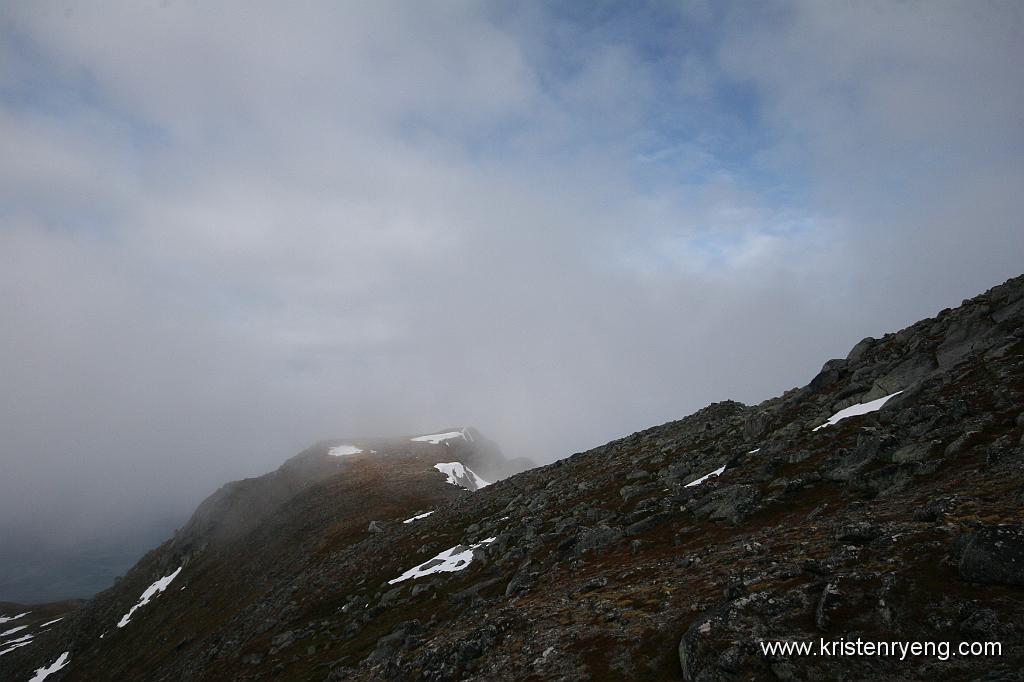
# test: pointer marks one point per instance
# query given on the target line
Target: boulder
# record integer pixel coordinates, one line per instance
(994, 554)
(733, 503)
(829, 374)
(858, 352)
(595, 538)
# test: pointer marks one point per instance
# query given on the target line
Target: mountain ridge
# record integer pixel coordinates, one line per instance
(666, 554)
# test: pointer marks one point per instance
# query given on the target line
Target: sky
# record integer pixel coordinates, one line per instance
(230, 230)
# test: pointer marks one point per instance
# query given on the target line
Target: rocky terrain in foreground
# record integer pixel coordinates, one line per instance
(671, 554)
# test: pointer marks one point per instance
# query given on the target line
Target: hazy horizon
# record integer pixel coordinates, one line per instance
(228, 232)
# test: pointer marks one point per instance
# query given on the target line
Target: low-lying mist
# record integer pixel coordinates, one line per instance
(227, 234)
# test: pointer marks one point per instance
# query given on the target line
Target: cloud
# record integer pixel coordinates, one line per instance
(230, 231)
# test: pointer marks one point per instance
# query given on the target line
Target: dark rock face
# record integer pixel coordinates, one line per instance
(902, 524)
(994, 555)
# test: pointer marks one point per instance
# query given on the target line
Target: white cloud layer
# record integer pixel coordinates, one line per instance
(229, 230)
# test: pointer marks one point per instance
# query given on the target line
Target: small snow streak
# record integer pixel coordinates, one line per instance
(12, 630)
(43, 673)
(717, 472)
(12, 644)
(151, 591)
(856, 410)
(419, 516)
(4, 619)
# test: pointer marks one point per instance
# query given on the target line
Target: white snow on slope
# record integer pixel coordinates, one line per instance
(154, 589)
(461, 475)
(15, 644)
(4, 619)
(436, 438)
(343, 450)
(43, 673)
(419, 516)
(855, 410)
(717, 472)
(13, 630)
(50, 622)
(448, 561)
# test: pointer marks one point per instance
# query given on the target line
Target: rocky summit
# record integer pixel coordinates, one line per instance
(880, 504)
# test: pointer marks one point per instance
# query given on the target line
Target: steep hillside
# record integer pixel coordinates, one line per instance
(882, 502)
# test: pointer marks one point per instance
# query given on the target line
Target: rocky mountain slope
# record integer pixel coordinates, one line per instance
(882, 502)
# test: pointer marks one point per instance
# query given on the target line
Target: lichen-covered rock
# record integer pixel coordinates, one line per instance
(731, 503)
(596, 538)
(994, 554)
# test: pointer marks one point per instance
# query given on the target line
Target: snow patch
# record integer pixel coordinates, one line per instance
(12, 630)
(151, 591)
(856, 410)
(43, 673)
(717, 472)
(23, 638)
(50, 622)
(448, 561)
(461, 475)
(419, 516)
(4, 619)
(436, 438)
(343, 450)
(15, 644)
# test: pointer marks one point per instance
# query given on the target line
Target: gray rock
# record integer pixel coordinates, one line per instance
(858, 352)
(520, 582)
(963, 337)
(903, 376)
(982, 625)
(961, 444)
(731, 659)
(282, 640)
(914, 452)
(994, 555)
(689, 659)
(421, 587)
(830, 599)
(595, 538)
(646, 524)
(756, 424)
(829, 374)
(392, 596)
(733, 503)
(630, 492)
(857, 533)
